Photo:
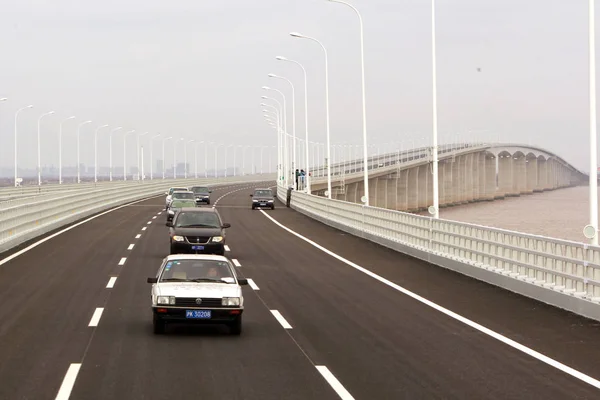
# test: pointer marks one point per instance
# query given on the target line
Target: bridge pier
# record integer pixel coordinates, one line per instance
(519, 175)
(531, 175)
(491, 176)
(447, 183)
(504, 177)
(413, 189)
(542, 174)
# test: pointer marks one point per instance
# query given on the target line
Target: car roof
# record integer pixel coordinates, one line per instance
(196, 257)
(199, 209)
(263, 189)
(183, 191)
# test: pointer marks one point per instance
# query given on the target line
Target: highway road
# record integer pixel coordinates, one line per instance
(324, 319)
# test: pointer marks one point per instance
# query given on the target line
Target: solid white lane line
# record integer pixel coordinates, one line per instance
(253, 285)
(131, 246)
(111, 282)
(68, 382)
(334, 383)
(281, 320)
(236, 262)
(139, 235)
(122, 262)
(227, 248)
(144, 228)
(96, 317)
(539, 356)
(36, 244)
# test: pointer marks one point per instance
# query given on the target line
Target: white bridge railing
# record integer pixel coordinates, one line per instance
(567, 272)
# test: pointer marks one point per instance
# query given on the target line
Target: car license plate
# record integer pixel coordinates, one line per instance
(197, 247)
(198, 314)
(263, 204)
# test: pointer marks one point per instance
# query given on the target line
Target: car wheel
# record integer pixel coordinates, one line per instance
(235, 327)
(273, 207)
(253, 207)
(208, 203)
(159, 326)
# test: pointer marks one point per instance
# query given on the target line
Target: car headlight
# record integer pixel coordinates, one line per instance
(270, 201)
(230, 301)
(165, 300)
(255, 201)
(178, 238)
(171, 212)
(217, 239)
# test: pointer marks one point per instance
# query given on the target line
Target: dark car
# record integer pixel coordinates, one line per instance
(201, 193)
(263, 198)
(197, 231)
(176, 205)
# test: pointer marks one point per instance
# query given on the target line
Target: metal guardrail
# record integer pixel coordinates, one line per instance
(41, 214)
(568, 268)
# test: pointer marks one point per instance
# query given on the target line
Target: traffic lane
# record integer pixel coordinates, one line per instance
(126, 360)
(50, 294)
(559, 334)
(350, 323)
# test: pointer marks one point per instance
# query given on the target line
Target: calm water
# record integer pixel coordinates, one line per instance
(560, 214)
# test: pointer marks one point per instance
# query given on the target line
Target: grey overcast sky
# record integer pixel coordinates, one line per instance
(194, 69)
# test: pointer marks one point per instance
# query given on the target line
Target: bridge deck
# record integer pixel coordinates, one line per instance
(379, 343)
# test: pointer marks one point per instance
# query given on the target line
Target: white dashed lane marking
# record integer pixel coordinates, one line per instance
(334, 383)
(281, 320)
(131, 246)
(122, 262)
(111, 282)
(96, 317)
(253, 285)
(139, 235)
(227, 248)
(144, 228)
(236, 262)
(67, 384)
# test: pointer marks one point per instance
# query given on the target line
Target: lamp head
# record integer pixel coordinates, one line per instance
(296, 34)
(266, 88)
(29, 106)
(3, 99)
(281, 58)
(272, 76)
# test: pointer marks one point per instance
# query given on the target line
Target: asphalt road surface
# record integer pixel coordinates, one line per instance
(315, 327)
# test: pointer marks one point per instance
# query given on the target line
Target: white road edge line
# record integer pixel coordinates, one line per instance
(139, 235)
(34, 245)
(236, 262)
(68, 382)
(96, 317)
(334, 383)
(253, 285)
(227, 248)
(131, 246)
(281, 320)
(111, 282)
(539, 356)
(122, 261)
(144, 228)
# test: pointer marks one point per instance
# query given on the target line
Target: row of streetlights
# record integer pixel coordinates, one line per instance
(282, 127)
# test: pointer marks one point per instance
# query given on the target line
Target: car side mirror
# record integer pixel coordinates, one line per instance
(242, 281)
(226, 225)
(251, 195)
(210, 191)
(152, 280)
(169, 224)
(167, 193)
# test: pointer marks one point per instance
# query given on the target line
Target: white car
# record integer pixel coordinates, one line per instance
(197, 289)
(170, 194)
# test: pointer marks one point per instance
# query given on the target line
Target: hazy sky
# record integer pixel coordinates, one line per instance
(194, 69)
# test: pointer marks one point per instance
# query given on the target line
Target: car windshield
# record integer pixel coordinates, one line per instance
(197, 271)
(177, 190)
(183, 195)
(183, 203)
(197, 220)
(200, 190)
(263, 193)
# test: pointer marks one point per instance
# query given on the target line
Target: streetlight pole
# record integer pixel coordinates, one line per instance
(308, 169)
(175, 157)
(78, 134)
(60, 148)
(593, 138)
(151, 155)
(16, 116)
(39, 145)
(285, 153)
(110, 162)
(364, 107)
(281, 118)
(216, 155)
(436, 211)
(125, 154)
(185, 159)
(277, 125)
(294, 160)
(298, 35)
(96, 152)
(206, 159)
(138, 154)
(163, 155)
(234, 160)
